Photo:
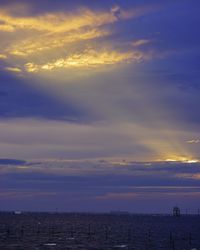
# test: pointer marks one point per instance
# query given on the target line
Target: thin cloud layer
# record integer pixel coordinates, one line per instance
(54, 139)
(101, 183)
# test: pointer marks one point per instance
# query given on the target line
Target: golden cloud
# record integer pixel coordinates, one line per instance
(44, 42)
(13, 69)
(2, 56)
(87, 59)
(62, 21)
(56, 22)
(39, 42)
(52, 30)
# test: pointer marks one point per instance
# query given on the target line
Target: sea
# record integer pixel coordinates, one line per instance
(90, 231)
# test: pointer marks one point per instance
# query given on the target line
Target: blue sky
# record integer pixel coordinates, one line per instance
(101, 101)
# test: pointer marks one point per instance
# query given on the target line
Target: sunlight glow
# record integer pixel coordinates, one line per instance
(3, 56)
(64, 39)
(87, 59)
(13, 69)
(182, 159)
(47, 42)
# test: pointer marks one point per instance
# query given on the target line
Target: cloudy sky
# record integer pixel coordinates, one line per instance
(99, 104)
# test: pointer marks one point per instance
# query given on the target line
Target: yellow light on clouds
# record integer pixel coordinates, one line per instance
(55, 40)
(13, 69)
(182, 159)
(86, 59)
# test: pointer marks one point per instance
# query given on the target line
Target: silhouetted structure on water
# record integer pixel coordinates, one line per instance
(176, 212)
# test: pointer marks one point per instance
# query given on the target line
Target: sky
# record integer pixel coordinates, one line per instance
(99, 105)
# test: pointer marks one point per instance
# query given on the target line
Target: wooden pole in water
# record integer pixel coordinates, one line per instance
(89, 232)
(129, 234)
(190, 239)
(172, 241)
(173, 245)
(170, 237)
(149, 239)
(8, 232)
(22, 231)
(106, 233)
(72, 233)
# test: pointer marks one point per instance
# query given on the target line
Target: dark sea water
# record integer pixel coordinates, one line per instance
(45, 231)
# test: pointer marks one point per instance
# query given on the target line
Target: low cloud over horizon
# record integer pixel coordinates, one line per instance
(99, 185)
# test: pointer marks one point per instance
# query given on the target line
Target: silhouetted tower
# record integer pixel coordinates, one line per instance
(176, 212)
